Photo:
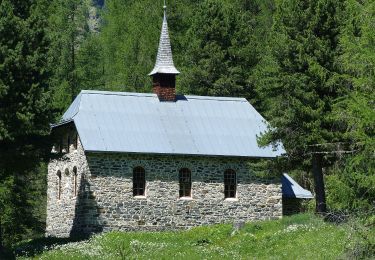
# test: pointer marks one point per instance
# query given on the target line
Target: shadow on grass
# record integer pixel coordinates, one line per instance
(37, 246)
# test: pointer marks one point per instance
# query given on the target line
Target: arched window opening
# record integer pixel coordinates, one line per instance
(230, 184)
(75, 181)
(185, 182)
(67, 172)
(139, 181)
(59, 185)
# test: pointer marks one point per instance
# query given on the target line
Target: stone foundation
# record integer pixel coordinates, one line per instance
(105, 199)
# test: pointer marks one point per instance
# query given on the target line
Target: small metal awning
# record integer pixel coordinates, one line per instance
(291, 189)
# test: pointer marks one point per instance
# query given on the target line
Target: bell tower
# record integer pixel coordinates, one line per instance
(164, 73)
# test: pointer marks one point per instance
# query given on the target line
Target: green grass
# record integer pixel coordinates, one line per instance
(298, 237)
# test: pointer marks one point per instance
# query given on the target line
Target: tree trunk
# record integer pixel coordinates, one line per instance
(320, 195)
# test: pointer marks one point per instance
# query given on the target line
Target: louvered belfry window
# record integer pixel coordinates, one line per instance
(230, 184)
(185, 182)
(139, 181)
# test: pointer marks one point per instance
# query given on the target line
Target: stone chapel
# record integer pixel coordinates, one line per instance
(160, 161)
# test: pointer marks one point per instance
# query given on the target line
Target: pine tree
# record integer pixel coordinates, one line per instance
(24, 109)
(356, 109)
(299, 80)
(68, 29)
(223, 45)
(129, 35)
(207, 68)
(90, 68)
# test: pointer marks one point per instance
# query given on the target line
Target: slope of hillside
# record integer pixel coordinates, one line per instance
(297, 237)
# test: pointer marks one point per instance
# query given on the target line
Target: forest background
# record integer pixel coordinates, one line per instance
(308, 66)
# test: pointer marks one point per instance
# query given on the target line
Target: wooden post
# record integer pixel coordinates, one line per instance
(320, 195)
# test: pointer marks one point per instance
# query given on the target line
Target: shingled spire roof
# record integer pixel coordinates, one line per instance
(164, 61)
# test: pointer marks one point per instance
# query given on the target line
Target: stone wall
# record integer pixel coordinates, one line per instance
(61, 212)
(105, 200)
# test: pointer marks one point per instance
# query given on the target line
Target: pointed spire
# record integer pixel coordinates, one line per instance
(164, 61)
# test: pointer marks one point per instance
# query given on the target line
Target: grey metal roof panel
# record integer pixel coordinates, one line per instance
(193, 125)
(291, 189)
(73, 109)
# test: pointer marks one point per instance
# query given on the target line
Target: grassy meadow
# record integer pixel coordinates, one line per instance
(299, 237)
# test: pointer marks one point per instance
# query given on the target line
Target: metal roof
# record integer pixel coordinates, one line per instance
(164, 61)
(193, 125)
(291, 189)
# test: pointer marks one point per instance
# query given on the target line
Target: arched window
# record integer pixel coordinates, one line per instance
(59, 185)
(139, 181)
(230, 184)
(75, 181)
(185, 182)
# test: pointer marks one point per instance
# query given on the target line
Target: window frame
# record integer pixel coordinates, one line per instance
(139, 183)
(185, 186)
(230, 184)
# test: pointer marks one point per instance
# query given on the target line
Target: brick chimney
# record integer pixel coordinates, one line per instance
(164, 85)
(164, 73)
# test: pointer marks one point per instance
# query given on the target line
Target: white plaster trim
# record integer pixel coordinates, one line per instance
(140, 197)
(186, 198)
(231, 199)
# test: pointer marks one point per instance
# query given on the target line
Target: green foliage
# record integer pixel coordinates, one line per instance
(222, 48)
(67, 30)
(298, 80)
(25, 111)
(128, 40)
(129, 43)
(90, 73)
(356, 109)
(23, 89)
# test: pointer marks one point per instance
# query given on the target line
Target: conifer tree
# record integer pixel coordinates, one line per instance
(130, 36)
(90, 68)
(356, 109)
(299, 80)
(24, 109)
(207, 68)
(68, 29)
(223, 45)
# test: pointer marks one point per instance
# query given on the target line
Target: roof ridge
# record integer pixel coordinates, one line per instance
(116, 93)
(237, 99)
(139, 94)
